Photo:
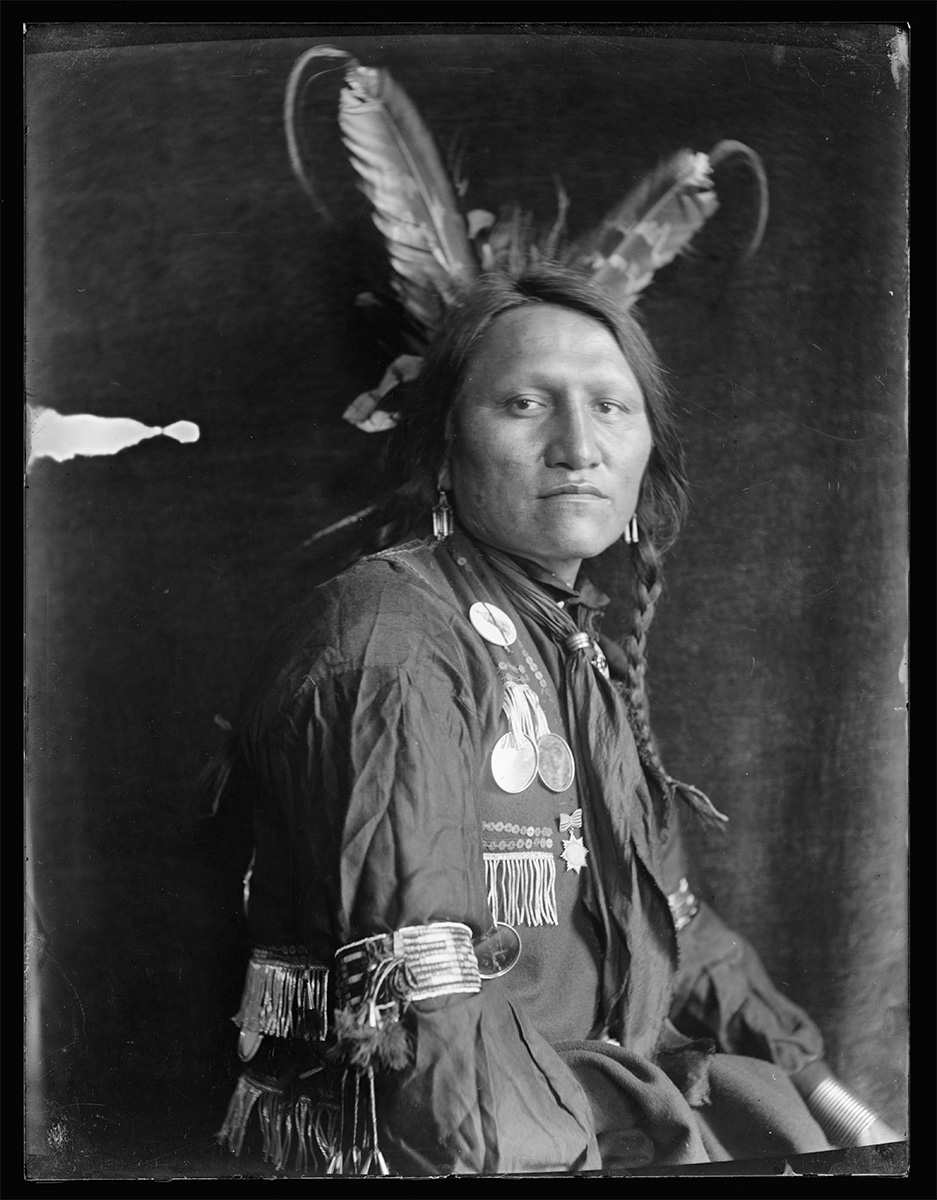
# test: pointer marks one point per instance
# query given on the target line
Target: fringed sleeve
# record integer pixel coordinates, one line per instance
(285, 1000)
(284, 996)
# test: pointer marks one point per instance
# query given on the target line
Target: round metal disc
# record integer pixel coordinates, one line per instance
(494, 625)
(498, 952)
(555, 762)
(514, 762)
(248, 1044)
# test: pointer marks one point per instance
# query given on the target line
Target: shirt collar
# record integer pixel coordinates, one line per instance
(585, 592)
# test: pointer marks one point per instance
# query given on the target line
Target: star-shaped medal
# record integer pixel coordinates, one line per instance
(574, 853)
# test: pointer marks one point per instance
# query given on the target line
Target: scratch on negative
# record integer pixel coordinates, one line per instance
(696, 404)
(835, 437)
(810, 77)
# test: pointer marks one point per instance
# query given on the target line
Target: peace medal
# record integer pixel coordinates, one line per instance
(514, 762)
(555, 763)
(494, 625)
(498, 952)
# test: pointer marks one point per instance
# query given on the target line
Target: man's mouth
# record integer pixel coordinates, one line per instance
(574, 489)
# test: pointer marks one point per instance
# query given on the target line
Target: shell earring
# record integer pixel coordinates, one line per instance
(632, 534)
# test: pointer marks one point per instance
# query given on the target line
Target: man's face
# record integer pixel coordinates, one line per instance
(550, 439)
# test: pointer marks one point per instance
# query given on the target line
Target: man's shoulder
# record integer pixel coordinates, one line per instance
(379, 614)
(404, 573)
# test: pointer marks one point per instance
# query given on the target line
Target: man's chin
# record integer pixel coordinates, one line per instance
(588, 546)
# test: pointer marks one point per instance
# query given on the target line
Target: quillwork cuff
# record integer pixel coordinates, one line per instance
(434, 960)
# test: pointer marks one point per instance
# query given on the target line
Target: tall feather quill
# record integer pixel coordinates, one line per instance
(657, 220)
(414, 202)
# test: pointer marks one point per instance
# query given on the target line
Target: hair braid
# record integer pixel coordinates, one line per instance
(647, 563)
(648, 585)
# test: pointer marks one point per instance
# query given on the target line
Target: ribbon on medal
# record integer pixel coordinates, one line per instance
(570, 821)
(529, 748)
(514, 758)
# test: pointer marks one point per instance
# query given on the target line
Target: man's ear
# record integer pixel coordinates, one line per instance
(444, 479)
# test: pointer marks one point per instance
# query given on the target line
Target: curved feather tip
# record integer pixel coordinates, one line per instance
(728, 149)
(294, 85)
(654, 223)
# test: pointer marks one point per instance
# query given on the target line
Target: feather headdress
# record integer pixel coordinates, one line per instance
(659, 219)
(402, 174)
(434, 249)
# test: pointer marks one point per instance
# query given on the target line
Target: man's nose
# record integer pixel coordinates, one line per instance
(572, 442)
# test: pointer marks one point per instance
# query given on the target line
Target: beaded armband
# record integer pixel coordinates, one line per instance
(416, 962)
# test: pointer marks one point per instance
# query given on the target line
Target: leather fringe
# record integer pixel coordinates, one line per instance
(284, 997)
(522, 888)
(308, 1130)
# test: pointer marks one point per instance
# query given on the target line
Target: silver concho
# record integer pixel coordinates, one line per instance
(494, 625)
(555, 762)
(514, 762)
(498, 952)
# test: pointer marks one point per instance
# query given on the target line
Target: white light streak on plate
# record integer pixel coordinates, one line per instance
(64, 436)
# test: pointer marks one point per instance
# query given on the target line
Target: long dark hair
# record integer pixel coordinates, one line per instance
(419, 445)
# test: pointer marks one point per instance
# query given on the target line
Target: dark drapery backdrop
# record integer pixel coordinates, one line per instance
(177, 271)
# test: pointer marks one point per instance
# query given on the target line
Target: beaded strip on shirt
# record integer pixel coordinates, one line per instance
(533, 837)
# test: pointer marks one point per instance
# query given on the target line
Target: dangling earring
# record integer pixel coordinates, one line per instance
(442, 517)
(632, 534)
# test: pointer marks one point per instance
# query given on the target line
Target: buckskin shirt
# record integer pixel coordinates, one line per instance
(365, 749)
